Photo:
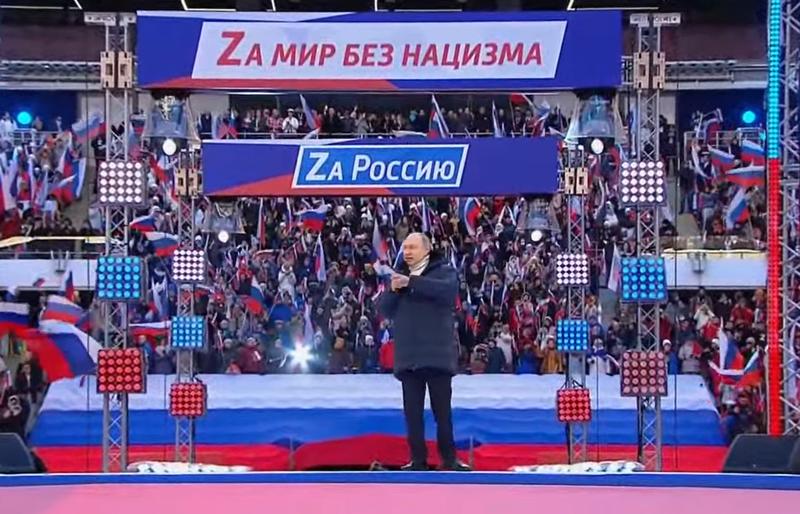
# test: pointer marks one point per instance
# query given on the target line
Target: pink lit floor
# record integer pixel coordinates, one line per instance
(388, 493)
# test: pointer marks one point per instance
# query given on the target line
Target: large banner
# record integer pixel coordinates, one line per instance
(381, 167)
(381, 51)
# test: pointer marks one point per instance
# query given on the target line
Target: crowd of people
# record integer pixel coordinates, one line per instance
(272, 308)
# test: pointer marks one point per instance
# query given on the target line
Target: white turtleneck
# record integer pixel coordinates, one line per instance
(417, 269)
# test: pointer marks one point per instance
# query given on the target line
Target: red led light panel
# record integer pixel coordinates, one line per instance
(187, 400)
(643, 373)
(573, 405)
(121, 370)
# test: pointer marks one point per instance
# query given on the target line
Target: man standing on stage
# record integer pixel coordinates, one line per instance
(421, 304)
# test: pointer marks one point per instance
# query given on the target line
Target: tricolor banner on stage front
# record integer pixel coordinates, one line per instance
(381, 167)
(379, 51)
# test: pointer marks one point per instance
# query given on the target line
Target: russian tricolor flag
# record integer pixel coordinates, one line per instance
(753, 153)
(320, 269)
(722, 161)
(738, 212)
(437, 126)
(150, 330)
(469, 213)
(62, 349)
(144, 224)
(749, 176)
(13, 317)
(88, 130)
(255, 301)
(379, 245)
(313, 219)
(164, 244)
(749, 375)
(68, 287)
(729, 356)
(59, 308)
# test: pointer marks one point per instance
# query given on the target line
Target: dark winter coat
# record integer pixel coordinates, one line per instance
(424, 321)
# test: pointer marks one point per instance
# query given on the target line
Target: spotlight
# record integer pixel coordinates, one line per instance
(643, 373)
(121, 184)
(642, 183)
(572, 335)
(188, 400)
(189, 266)
(748, 117)
(644, 280)
(121, 370)
(119, 279)
(169, 147)
(537, 235)
(597, 146)
(573, 405)
(188, 332)
(572, 269)
(301, 355)
(24, 118)
(223, 236)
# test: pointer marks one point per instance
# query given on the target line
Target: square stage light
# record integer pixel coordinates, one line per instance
(122, 184)
(574, 405)
(188, 332)
(189, 266)
(121, 370)
(643, 373)
(572, 335)
(188, 400)
(119, 279)
(644, 280)
(642, 184)
(572, 269)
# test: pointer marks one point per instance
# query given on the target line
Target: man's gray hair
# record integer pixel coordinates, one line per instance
(426, 241)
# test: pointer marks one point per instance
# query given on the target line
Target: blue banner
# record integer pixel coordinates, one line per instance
(381, 167)
(379, 51)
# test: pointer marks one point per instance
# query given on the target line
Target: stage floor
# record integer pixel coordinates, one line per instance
(389, 493)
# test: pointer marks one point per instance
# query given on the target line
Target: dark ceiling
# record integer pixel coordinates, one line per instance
(68, 11)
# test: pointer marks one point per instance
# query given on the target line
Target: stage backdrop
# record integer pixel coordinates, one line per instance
(380, 167)
(379, 51)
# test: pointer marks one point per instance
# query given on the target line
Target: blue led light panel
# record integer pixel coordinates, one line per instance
(572, 335)
(119, 279)
(644, 280)
(188, 332)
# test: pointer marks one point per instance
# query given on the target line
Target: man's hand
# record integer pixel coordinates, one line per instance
(399, 282)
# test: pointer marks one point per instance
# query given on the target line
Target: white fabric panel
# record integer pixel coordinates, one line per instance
(374, 392)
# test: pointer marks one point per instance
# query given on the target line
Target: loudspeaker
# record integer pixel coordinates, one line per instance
(757, 453)
(14, 456)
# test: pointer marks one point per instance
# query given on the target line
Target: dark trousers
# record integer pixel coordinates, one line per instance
(440, 388)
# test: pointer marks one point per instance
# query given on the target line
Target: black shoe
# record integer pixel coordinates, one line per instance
(414, 466)
(456, 466)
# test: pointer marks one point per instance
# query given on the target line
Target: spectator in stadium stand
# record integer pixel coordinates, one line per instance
(14, 408)
(673, 364)
(420, 305)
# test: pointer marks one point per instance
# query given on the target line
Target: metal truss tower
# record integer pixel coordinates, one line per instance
(187, 189)
(648, 81)
(576, 187)
(783, 217)
(116, 77)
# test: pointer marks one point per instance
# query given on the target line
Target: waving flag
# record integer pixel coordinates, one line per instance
(437, 127)
(498, 129)
(62, 349)
(68, 287)
(59, 308)
(255, 300)
(379, 245)
(749, 176)
(320, 268)
(722, 161)
(750, 375)
(13, 317)
(313, 219)
(64, 191)
(311, 121)
(738, 211)
(729, 356)
(85, 131)
(753, 153)
(150, 330)
(144, 223)
(469, 213)
(164, 244)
